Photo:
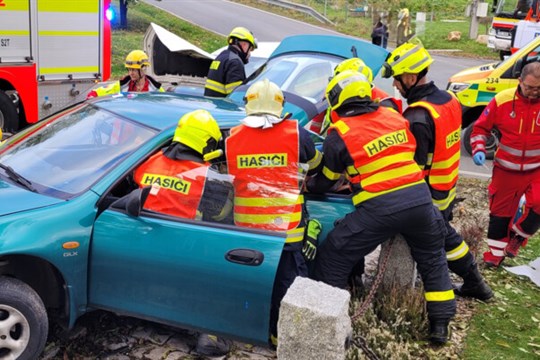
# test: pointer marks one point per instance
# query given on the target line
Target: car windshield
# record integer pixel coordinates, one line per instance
(64, 156)
(305, 75)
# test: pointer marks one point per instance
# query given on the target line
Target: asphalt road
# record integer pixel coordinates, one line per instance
(220, 16)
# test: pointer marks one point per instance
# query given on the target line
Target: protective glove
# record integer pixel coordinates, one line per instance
(479, 158)
(311, 242)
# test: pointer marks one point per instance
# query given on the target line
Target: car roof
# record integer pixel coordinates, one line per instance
(163, 110)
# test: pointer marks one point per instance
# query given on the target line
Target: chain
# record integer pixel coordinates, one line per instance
(359, 341)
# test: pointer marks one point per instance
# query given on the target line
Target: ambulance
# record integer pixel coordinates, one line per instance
(476, 86)
(51, 53)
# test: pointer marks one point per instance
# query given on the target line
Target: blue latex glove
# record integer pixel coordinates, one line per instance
(479, 158)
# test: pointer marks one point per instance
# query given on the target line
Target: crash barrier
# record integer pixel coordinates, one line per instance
(299, 7)
(314, 322)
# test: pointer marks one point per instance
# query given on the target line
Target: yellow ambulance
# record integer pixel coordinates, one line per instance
(476, 86)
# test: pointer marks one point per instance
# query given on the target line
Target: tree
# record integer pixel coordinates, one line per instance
(123, 12)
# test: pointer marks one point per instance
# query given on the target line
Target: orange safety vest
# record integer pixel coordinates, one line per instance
(443, 165)
(265, 166)
(382, 148)
(177, 195)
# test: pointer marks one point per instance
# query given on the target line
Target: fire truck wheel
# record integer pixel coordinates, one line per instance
(9, 119)
(23, 321)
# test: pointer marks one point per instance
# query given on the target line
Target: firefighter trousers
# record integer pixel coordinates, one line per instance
(360, 231)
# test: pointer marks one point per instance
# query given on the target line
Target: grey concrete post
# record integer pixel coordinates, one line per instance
(401, 268)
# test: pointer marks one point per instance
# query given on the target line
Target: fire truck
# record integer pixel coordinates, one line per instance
(528, 29)
(507, 14)
(51, 53)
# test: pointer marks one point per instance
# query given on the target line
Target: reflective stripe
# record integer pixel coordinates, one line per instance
(443, 179)
(443, 204)
(268, 218)
(351, 170)
(295, 235)
(429, 158)
(390, 174)
(63, 6)
(510, 150)
(382, 162)
(520, 232)
(215, 86)
(283, 201)
(14, 32)
(508, 164)
(479, 138)
(230, 87)
(445, 164)
(498, 253)
(68, 33)
(497, 243)
(364, 195)
(532, 152)
(458, 252)
(316, 161)
(69, 70)
(428, 107)
(439, 295)
(329, 174)
(527, 167)
(479, 147)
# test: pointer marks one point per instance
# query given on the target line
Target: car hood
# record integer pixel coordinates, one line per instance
(173, 59)
(16, 199)
(473, 73)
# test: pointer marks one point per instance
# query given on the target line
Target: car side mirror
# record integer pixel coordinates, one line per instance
(133, 202)
(516, 69)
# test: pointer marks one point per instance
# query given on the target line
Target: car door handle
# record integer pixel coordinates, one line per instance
(245, 257)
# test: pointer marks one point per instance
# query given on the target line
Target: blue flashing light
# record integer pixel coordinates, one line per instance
(109, 14)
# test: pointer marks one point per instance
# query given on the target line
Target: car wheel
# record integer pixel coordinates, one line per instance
(9, 119)
(491, 145)
(23, 321)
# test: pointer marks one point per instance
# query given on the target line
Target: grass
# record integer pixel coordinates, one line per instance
(507, 328)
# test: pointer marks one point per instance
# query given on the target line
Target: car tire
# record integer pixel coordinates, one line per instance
(23, 321)
(9, 118)
(491, 145)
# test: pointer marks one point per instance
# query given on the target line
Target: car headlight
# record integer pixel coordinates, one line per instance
(457, 87)
(492, 32)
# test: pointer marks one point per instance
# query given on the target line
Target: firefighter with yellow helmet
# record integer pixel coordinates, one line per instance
(136, 81)
(187, 162)
(265, 134)
(375, 147)
(435, 120)
(227, 70)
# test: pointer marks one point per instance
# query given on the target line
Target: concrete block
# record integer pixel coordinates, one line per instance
(401, 268)
(314, 322)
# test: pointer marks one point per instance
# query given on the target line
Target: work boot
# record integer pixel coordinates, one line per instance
(491, 260)
(212, 345)
(438, 331)
(512, 248)
(474, 285)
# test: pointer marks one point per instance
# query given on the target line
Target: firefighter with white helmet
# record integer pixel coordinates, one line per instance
(227, 70)
(256, 139)
(435, 120)
(375, 147)
(136, 81)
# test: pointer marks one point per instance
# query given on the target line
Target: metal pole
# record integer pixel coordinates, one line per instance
(473, 30)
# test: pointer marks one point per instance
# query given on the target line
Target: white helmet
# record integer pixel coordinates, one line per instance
(264, 97)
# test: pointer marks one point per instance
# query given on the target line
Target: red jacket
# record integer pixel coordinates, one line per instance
(518, 121)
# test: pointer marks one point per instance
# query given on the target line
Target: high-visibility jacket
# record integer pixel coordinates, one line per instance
(441, 170)
(518, 121)
(225, 74)
(126, 85)
(382, 148)
(265, 166)
(172, 193)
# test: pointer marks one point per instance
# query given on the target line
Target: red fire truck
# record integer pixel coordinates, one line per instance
(507, 13)
(51, 53)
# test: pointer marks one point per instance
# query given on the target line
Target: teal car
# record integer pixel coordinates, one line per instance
(75, 237)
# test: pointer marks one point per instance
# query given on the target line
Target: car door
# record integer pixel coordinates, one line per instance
(201, 275)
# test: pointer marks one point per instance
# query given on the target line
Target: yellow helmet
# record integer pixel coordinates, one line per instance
(409, 58)
(347, 86)
(137, 59)
(355, 64)
(198, 130)
(264, 97)
(241, 33)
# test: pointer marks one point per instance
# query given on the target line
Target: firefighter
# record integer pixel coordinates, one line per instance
(435, 121)
(227, 70)
(374, 146)
(516, 166)
(378, 94)
(277, 203)
(136, 62)
(181, 180)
